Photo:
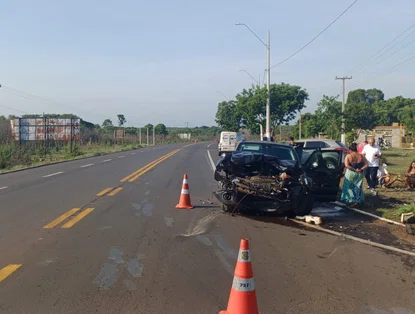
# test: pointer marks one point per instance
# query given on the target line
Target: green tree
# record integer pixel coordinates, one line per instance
(386, 112)
(107, 123)
(286, 100)
(407, 117)
(359, 116)
(227, 116)
(149, 126)
(121, 120)
(160, 129)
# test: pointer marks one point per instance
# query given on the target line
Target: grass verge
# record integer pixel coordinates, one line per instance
(390, 203)
(13, 157)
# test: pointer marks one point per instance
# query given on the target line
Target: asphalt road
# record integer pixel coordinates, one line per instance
(66, 250)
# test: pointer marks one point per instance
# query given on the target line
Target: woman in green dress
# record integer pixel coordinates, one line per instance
(355, 164)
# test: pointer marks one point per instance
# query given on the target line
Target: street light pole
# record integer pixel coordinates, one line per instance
(268, 70)
(258, 82)
(344, 78)
(227, 99)
(268, 114)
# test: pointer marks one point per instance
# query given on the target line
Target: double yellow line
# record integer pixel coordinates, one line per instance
(112, 193)
(136, 174)
(68, 214)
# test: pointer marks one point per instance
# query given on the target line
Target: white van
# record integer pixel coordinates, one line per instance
(228, 142)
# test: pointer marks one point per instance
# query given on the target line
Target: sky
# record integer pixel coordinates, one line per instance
(172, 62)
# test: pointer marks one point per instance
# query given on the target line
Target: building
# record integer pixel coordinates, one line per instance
(394, 135)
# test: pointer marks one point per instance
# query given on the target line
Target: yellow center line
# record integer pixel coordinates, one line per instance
(137, 171)
(8, 270)
(105, 191)
(152, 166)
(77, 218)
(61, 218)
(115, 191)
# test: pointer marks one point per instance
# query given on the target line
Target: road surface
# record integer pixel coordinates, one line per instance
(102, 236)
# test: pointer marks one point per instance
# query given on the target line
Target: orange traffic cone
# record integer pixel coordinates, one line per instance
(242, 299)
(184, 202)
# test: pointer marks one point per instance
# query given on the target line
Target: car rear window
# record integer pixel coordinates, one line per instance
(315, 144)
(283, 153)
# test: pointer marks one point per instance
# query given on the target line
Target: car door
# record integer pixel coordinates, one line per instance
(324, 167)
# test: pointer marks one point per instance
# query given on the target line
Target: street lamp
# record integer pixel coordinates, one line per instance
(258, 82)
(223, 95)
(268, 46)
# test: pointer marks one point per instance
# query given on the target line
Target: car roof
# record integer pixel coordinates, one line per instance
(265, 142)
(317, 140)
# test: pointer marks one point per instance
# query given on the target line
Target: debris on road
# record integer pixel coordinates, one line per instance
(310, 219)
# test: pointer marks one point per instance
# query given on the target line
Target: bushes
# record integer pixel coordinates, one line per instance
(12, 155)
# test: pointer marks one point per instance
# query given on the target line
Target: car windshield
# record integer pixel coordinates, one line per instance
(283, 153)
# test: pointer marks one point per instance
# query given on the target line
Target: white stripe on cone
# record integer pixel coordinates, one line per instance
(185, 191)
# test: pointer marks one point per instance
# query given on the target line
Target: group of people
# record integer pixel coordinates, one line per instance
(363, 162)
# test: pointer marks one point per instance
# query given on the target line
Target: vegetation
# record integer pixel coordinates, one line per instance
(94, 140)
(364, 110)
(392, 202)
(249, 107)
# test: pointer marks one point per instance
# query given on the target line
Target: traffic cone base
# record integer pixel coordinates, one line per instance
(242, 299)
(184, 202)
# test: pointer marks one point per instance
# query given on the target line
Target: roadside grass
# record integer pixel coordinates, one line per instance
(390, 203)
(13, 158)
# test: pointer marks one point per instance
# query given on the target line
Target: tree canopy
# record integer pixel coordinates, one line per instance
(248, 110)
(364, 110)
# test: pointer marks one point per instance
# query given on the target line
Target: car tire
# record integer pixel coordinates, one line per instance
(305, 206)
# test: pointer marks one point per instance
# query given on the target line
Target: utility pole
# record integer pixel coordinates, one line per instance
(147, 136)
(267, 130)
(154, 135)
(268, 70)
(139, 134)
(344, 78)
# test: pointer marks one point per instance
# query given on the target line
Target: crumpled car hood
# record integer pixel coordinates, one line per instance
(248, 164)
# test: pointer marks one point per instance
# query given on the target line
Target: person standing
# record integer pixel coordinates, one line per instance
(361, 146)
(372, 153)
(355, 164)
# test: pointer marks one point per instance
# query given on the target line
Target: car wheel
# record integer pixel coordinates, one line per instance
(305, 206)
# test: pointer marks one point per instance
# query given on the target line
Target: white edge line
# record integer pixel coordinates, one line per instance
(3, 187)
(339, 234)
(378, 217)
(212, 164)
(53, 174)
(106, 160)
(121, 156)
(87, 165)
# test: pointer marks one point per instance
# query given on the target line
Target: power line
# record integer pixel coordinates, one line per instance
(384, 47)
(317, 36)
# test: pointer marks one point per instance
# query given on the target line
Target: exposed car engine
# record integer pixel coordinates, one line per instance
(251, 180)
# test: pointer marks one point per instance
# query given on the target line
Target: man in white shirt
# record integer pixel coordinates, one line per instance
(372, 153)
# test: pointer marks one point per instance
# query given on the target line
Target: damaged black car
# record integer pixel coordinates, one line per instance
(270, 177)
